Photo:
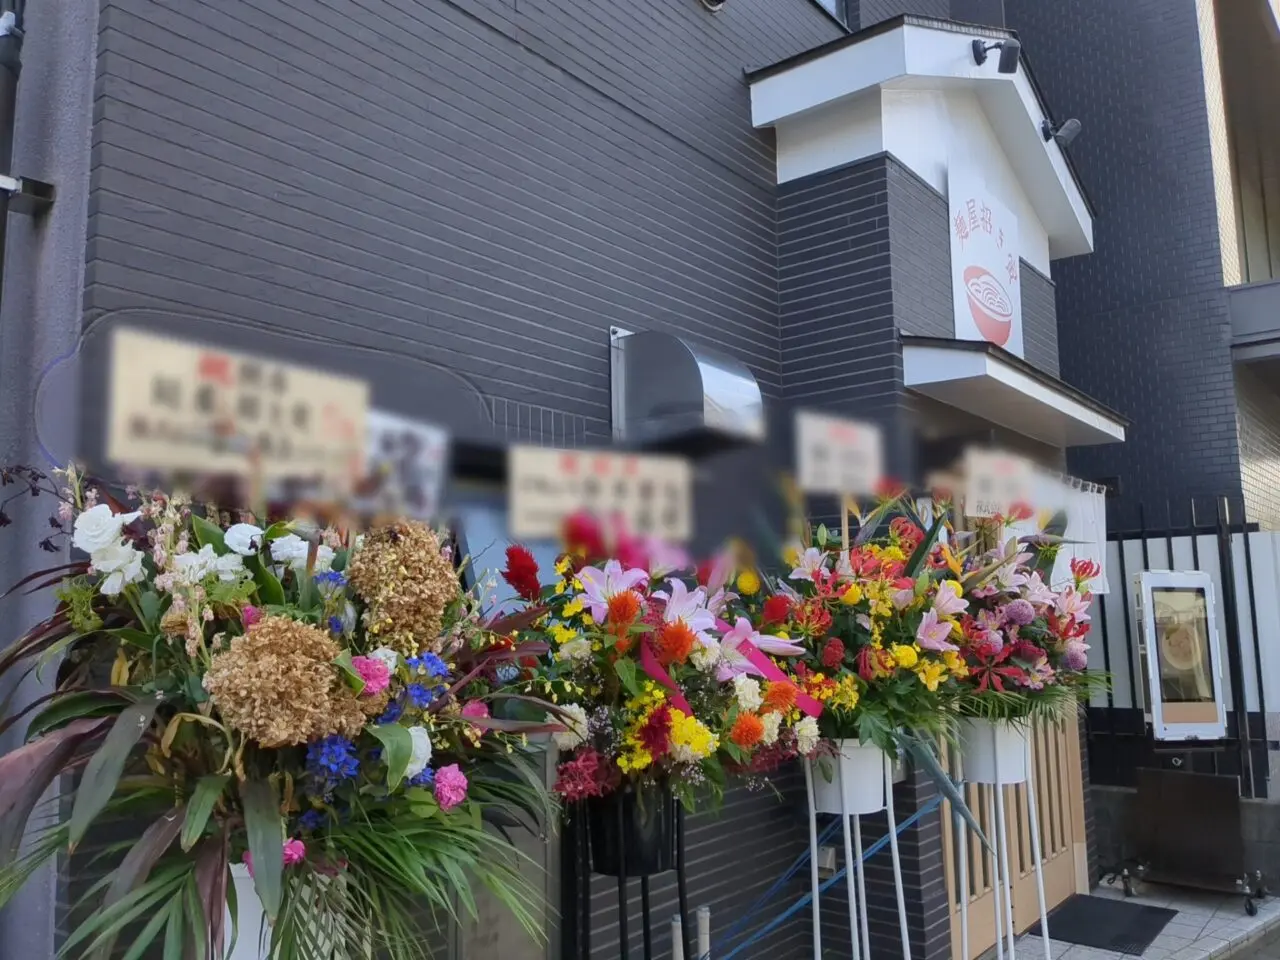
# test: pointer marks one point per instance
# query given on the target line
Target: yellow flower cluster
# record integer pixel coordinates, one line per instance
(748, 583)
(931, 673)
(691, 740)
(955, 663)
(905, 655)
(635, 756)
(845, 695)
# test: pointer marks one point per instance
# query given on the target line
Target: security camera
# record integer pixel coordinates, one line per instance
(1062, 134)
(1010, 50)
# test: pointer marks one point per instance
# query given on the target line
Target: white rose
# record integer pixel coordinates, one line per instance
(192, 568)
(574, 650)
(386, 656)
(291, 550)
(574, 719)
(807, 735)
(747, 690)
(421, 754)
(229, 566)
(122, 564)
(244, 538)
(98, 528)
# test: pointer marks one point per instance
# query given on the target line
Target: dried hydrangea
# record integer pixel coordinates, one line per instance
(277, 685)
(403, 576)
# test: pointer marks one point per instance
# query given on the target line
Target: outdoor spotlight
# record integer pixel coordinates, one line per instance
(1064, 133)
(1009, 49)
(714, 6)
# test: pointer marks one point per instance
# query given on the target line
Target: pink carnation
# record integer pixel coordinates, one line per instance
(475, 709)
(249, 616)
(375, 674)
(293, 851)
(451, 786)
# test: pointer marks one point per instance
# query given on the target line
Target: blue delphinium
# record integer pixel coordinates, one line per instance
(428, 664)
(313, 819)
(507, 672)
(330, 581)
(331, 761)
(393, 712)
(422, 696)
(426, 778)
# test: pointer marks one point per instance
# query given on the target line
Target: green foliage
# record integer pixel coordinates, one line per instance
(77, 594)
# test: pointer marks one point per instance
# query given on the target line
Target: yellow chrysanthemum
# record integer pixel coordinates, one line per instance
(748, 583)
(955, 663)
(690, 739)
(845, 696)
(905, 656)
(573, 607)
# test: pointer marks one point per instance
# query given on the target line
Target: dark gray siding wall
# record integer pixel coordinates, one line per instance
(457, 182)
(920, 259)
(1258, 422)
(874, 11)
(1143, 320)
(1039, 320)
(464, 183)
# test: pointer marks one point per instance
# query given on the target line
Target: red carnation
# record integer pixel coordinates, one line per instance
(833, 654)
(776, 610)
(522, 573)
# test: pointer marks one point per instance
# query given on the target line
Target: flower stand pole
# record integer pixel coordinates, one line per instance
(999, 754)
(863, 784)
(633, 835)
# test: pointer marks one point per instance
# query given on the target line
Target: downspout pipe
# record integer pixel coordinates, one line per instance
(10, 68)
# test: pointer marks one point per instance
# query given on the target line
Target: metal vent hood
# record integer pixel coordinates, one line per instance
(674, 395)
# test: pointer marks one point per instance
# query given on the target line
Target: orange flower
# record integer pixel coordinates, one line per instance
(674, 642)
(748, 730)
(624, 607)
(779, 697)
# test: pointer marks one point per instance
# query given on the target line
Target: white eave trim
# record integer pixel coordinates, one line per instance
(984, 385)
(916, 55)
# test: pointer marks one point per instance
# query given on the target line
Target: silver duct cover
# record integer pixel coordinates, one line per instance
(668, 392)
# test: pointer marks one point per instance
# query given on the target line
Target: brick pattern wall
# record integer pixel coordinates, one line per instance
(1143, 321)
(835, 295)
(1258, 422)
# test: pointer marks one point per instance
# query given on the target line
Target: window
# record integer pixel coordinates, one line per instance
(481, 526)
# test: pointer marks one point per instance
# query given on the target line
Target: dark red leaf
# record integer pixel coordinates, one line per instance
(26, 773)
(211, 882)
(137, 863)
(516, 726)
(75, 568)
(519, 620)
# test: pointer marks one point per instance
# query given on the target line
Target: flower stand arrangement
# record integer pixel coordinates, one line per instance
(1022, 643)
(869, 610)
(661, 674)
(323, 719)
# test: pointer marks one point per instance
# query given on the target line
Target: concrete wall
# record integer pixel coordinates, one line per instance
(39, 323)
(1143, 322)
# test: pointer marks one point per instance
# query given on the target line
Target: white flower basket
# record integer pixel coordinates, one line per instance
(986, 745)
(863, 769)
(253, 935)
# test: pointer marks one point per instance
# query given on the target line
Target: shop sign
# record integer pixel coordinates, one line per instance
(652, 495)
(838, 456)
(177, 406)
(986, 280)
(995, 481)
(405, 465)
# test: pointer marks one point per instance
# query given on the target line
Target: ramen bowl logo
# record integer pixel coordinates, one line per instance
(990, 305)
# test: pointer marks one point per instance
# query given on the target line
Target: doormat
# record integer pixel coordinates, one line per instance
(1107, 924)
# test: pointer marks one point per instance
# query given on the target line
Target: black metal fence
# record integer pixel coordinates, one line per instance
(1206, 534)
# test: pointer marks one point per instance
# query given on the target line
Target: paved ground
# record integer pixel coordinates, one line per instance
(1207, 927)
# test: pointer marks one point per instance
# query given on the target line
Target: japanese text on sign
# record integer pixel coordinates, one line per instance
(838, 456)
(652, 495)
(181, 406)
(994, 482)
(985, 265)
(405, 464)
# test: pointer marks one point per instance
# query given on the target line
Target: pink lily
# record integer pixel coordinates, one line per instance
(717, 583)
(1069, 603)
(1037, 591)
(734, 661)
(811, 561)
(933, 632)
(599, 586)
(947, 602)
(688, 607)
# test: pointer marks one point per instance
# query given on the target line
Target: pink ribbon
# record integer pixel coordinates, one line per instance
(649, 663)
(771, 672)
